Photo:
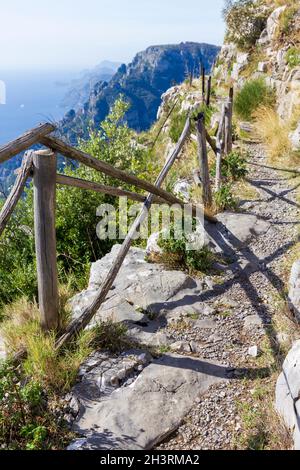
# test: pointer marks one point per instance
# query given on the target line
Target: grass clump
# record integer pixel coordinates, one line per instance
(253, 94)
(293, 57)
(177, 123)
(176, 255)
(286, 19)
(224, 198)
(178, 120)
(55, 370)
(245, 21)
(26, 418)
(233, 166)
(273, 132)
(31, 393)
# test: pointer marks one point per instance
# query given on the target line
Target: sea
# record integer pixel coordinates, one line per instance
(31, 97)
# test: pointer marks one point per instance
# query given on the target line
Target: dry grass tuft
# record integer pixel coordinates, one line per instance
(273, 132)
(55, 370)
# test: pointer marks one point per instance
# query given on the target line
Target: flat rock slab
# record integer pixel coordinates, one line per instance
(147, 411)
(288, 393)
(234, 230)
(2, 350)
(139, 288)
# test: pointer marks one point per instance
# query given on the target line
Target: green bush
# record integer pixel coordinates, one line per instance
(224, 199)
(76, 220)
(177, 123)
(178, 120)
(253, 94)
(26, 421)
(293, 57)
(233, 167)
(286, 19)
(176, 254)
(245, 21)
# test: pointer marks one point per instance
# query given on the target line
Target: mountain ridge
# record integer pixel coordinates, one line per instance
(142, 83)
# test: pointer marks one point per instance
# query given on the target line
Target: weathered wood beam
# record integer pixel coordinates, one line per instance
(220, 149)
(24, 141)
(203, 162)
(44, 180)
(89, 312)
(16, 191)
(228, 123)
(101, 188)
(208, 91)
(98, 165)
(211, 141)
(203, 82)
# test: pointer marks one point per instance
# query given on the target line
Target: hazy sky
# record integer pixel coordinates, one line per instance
(80, 33)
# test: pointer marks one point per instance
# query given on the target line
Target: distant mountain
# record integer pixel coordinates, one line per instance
(80, 89)
(142, 83)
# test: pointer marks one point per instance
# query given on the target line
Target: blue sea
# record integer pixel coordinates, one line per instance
(31, 98)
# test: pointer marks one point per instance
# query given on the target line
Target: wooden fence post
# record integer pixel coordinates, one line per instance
(203, 161)
(203, 82)
(44, 162)
(228, 123)
(208, 91)
(220, 149)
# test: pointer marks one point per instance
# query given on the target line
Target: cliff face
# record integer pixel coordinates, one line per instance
(141, 83)
(274, 56)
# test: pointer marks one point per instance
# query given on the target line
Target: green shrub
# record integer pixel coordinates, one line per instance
(224, 199)
(176, 254)
(293, 57)
(177, 123)
(110, 336)
(253, 94)
(245, 21)
(286, 19)
(178, 120)
(26, 421)
(233, 167)
(76, 219)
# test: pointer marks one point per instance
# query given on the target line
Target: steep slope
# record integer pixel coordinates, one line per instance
(141, 83)
(273, 56)
(79, 90)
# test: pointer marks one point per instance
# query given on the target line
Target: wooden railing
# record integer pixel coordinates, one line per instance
(42, 166)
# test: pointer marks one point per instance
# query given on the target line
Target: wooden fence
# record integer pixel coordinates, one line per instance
(41, 165)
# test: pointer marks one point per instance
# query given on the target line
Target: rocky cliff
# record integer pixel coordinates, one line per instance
(274, 56)
(142, 83)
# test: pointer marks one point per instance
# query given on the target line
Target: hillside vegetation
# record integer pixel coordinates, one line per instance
(32, 411)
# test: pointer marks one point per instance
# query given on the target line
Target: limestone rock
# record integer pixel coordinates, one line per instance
(240, 228)
(2, 350)
(253, 351)
(288, 393)
(295, 138)
(269, 32)
(239, 65)
(253, 322)
(140, 287)
(262, 67)
(153, 247)
(148, 337)
(180, 346)
(182, 189)
(294, 290)
(289, 93)
(147, 411)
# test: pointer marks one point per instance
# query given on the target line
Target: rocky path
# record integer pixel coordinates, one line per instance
(207, 332)
(247, 301)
